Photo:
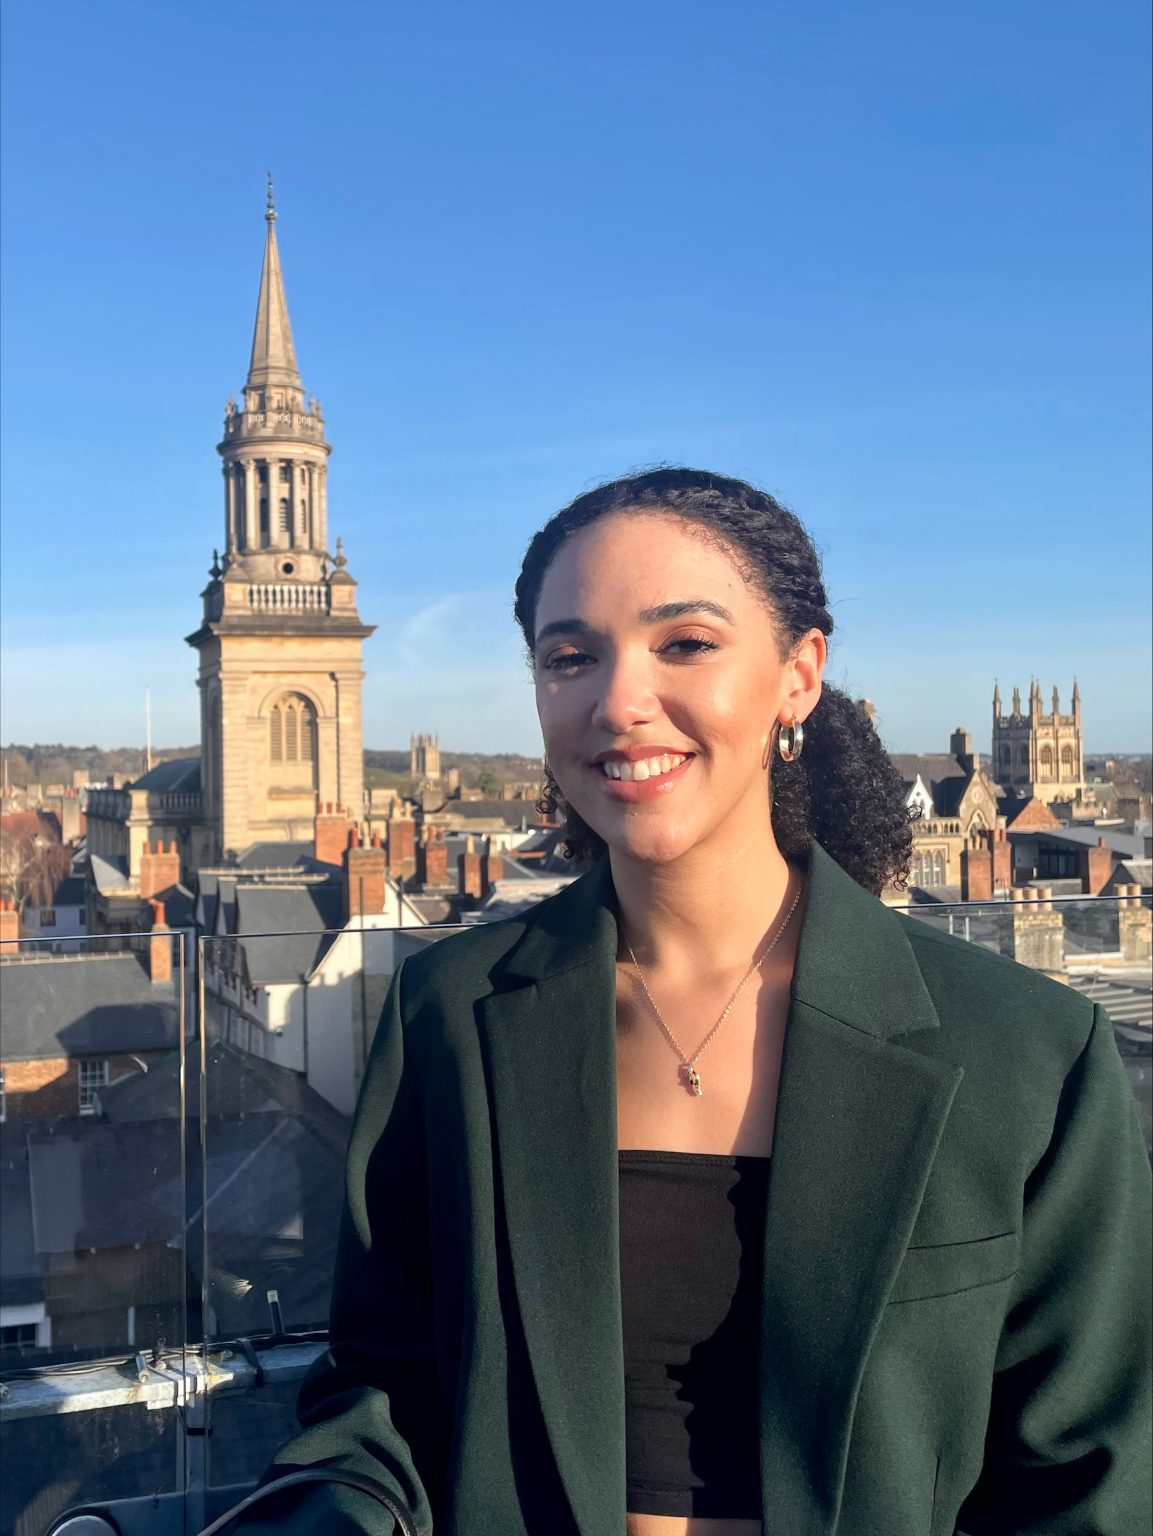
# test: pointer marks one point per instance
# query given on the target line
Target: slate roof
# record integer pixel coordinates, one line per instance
(110, 874)
(275, 1180)
(1126, 845)
(178, 774)
(299, 920)
(83, 1005)
(274, 855)
(513, 813)
(70, 892)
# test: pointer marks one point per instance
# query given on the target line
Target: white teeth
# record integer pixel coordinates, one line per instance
(645, 768)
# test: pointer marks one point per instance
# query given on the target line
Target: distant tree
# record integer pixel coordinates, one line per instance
(33, 861)
(487, 782)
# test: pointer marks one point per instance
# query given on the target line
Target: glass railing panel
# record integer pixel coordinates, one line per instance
(92, 1218)
(288, 1022)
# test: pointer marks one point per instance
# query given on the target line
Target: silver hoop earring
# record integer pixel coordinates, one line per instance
(791, 741)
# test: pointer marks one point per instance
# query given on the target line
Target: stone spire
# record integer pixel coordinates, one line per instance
(996, 701)
(273, 355)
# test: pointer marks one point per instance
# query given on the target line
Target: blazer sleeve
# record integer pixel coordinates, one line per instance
(1067, 1450)
(369, 1404)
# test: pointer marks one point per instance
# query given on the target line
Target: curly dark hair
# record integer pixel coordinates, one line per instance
(843, 790)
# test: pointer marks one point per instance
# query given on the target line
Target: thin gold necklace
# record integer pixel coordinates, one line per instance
(688, 1067)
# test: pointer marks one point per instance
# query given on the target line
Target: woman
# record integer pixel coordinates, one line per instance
(711, 1198)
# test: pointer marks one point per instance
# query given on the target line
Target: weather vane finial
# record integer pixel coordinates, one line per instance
(270, 211)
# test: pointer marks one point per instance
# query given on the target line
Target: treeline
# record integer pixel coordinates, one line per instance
(55, 763)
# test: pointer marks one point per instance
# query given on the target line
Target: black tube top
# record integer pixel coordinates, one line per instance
(691, 1239)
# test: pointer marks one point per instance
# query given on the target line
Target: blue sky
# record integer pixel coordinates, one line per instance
(890, 260)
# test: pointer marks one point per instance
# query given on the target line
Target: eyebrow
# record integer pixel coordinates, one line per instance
(662, 614)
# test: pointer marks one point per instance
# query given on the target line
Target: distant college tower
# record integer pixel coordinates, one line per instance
(1039, 754)
(280, 645)
(424, 758)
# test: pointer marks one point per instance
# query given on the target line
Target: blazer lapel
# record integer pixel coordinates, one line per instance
(549, 1033)
(858, 1122)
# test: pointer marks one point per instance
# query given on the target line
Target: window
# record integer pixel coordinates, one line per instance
(285, 519)
(285, 474)
(292, 730)
(262, 474)
(47, 917)
(1067, 762)
(93, 1077)
(18, 1336)
(1047, 760)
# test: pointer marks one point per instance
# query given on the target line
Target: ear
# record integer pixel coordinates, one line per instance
(802, 677)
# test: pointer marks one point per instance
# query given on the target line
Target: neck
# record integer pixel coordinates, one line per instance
(713, 908)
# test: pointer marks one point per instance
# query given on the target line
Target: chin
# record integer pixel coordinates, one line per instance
(647, 840)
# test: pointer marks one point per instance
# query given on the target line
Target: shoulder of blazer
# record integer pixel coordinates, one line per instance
(568, 929)
(1010, 1009)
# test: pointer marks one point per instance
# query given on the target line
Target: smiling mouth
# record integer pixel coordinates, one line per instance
(644, 768)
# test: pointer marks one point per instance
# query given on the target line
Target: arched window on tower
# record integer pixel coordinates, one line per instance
(1067, 769)
(292, 731)
(1046, 762)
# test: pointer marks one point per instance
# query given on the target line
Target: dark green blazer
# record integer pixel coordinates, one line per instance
(956, 1283)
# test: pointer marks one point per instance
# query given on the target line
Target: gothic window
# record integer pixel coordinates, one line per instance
(1067, 762)
(1006, 753)
(292, 730)
(285, 519)
(1047, 761)
(938, 870)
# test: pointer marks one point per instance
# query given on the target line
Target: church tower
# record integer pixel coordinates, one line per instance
(280, 644)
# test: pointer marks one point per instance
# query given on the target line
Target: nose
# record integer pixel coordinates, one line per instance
(625, 696)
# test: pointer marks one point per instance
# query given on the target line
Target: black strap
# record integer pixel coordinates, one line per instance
(404, 1520)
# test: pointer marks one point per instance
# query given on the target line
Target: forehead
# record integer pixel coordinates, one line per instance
(634, 560)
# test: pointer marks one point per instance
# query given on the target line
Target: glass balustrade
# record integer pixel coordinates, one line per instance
(171, 1175)
(93, 1233)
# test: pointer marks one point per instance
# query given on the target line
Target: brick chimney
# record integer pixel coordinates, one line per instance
(1096, 868)
(986, 866)
(9, 925)
(432, 859)
(470, 880)
(159, 944)
(491, 867)
(365, 884)
(159, 868)
(330, 837)
(401, 846)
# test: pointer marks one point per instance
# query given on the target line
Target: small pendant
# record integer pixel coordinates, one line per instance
(693, 1080)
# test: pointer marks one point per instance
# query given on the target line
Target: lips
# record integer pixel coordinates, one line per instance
(640, 773)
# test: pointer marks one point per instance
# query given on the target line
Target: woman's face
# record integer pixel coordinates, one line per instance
(659, 683)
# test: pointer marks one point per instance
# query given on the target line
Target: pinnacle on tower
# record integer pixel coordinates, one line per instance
(273, 355)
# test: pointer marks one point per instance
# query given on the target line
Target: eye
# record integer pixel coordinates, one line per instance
(565, 661)
(685, 647)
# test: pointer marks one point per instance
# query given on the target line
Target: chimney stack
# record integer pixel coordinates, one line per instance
(365, 881)
(330, 837)
(432, 859)
(9, 927)
(159, 945)
(159, 868)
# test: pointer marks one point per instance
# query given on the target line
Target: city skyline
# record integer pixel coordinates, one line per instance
(893, 272)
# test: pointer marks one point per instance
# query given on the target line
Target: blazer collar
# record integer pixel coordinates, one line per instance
(853, 961)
